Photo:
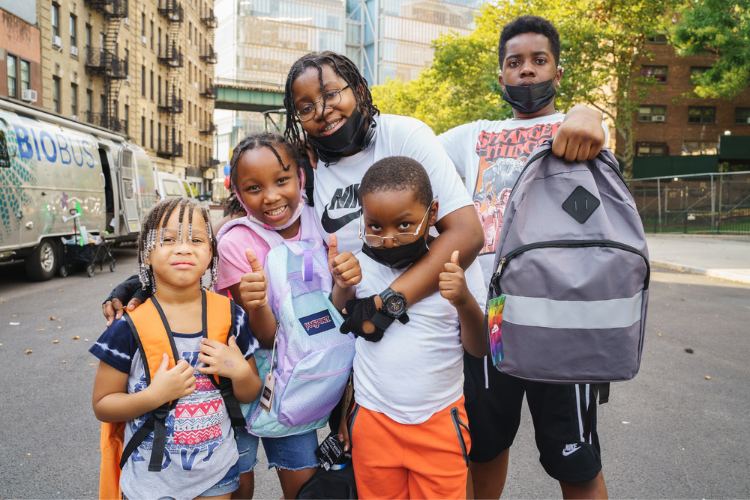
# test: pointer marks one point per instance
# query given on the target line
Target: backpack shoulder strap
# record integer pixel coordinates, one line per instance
(154, 338)
(218, 323)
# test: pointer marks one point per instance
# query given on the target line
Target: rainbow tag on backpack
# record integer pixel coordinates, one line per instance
(497, 305)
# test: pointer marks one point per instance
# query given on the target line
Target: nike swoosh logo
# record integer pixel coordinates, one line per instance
(333, 225)
(570, 452)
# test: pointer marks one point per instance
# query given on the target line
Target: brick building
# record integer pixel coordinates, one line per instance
(20, 59)
(143, 68)
(669, 125)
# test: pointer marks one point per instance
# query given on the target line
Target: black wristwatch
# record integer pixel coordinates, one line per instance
(394, 305)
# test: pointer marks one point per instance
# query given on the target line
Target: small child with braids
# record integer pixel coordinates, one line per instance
(267, 177)
(176, 248)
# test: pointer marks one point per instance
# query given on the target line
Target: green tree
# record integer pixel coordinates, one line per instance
(721, 27)
(603, 43)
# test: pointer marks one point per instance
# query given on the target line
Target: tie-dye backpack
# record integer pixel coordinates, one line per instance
(311, 360)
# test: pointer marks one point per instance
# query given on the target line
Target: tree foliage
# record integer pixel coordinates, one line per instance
(603, 42)
(721, 27)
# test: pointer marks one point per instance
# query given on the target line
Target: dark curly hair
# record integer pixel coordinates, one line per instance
(529, 24)
(398, 173)
(263, 140)
(345, 68)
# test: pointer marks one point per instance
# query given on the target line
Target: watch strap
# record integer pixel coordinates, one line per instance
(381, 320)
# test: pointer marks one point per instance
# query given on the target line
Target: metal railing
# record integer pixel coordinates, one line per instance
(170, 104)
(209, 92)
(208, 54)
(207, 128)
(170, 56)
(171, 10)
(101, 61)
(166, 148)
(716, 203)
(250, 84)
(209, 19)
(106, 121)
(110, 8)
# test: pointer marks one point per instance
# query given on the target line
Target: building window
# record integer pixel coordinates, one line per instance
(652, 149)
(696, 72)
(143, 80)
(143, 26)
(652, 114)
(700, 114)
(125, 60)
(151, 35)
(742, 116)
(55, 20)
(87, 32)
(700, 147)
(126, 120)
(73, 30)
(89, 105)
(56, 94)
(658, 37)
(658, 73)
(151, 135)
(25, 75)
(158, 89)
(143, 131)
(12, 76)
(74, 99)
(152, 85)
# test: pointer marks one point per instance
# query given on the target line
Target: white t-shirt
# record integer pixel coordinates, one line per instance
(490, 156)
(337, 200)
(417, 369)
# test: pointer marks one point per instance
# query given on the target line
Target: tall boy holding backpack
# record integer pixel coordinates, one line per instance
(490, 155)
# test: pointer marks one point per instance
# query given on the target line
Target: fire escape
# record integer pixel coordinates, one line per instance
(208, 55)
(103, 61)
(170, 102)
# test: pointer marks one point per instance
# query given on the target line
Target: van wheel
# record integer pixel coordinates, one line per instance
(42, 263)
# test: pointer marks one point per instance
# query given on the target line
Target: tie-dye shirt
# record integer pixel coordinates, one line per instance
(200, 446)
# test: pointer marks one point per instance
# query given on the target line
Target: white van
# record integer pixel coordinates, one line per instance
(52, 167)
(171, 186)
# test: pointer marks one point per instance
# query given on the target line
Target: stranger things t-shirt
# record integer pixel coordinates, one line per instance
(490, 156)
(200, 447)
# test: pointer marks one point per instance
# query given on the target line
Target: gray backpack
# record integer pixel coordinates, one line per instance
(567, 303)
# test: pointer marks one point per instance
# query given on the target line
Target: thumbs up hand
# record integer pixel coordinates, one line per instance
(344, 267)
(253, 285)
(452, 283)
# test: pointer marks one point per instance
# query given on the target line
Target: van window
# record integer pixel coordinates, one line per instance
(4, 157)
(172, 188)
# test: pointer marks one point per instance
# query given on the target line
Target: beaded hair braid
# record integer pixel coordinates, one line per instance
(263, 140)
(345, 68)
(151, 233)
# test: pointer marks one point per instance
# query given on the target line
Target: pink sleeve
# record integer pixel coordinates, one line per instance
(232, 261)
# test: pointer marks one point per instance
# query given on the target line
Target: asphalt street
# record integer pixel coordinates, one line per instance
(670, 433)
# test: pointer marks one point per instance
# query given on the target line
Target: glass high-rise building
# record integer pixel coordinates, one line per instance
(258, 40)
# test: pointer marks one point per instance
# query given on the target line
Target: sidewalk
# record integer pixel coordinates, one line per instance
(726, 257)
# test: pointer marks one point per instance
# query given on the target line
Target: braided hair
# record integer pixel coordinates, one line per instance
(345, 68)
(151, 233)
(263, 140)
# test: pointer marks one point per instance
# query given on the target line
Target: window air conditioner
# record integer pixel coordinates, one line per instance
(127, 21)
(73, 50)
(74, 117)
(127, 79)
(56, 42)
(195, 84)
(144, 40)
(28, 95)
(658, 118)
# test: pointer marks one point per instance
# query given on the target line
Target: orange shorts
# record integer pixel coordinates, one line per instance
(427, 460)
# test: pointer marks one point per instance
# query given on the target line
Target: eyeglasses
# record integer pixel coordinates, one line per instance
(376, 241)
(332, 98)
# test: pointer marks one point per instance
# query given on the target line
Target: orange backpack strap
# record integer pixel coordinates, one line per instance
(218, 324)
(154, 338)
(112, 435)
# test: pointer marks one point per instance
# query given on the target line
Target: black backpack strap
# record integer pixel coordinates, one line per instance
(603, 390)
(304, 161)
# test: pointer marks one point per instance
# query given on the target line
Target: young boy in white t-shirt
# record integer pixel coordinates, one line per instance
(407, 429)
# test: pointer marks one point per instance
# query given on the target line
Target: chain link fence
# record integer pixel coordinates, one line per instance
(716, 203)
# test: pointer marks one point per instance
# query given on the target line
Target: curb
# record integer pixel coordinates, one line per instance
(714, 273)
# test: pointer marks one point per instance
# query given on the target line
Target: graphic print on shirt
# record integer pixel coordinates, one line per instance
(345, 206)
(502, 156)
(193, 427)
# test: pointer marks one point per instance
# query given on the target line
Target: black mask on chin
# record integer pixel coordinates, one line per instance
(532, 98)
(348, 137)
(397, 257)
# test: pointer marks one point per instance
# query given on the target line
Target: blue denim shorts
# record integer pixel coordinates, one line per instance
(290, 452)
(228, 484)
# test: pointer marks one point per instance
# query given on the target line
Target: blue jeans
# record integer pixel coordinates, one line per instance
(290, 452)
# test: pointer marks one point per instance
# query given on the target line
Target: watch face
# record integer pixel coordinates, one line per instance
(395, 305)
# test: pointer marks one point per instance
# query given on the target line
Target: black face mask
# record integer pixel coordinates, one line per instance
(399, 256)
(348, 137)
(532, 98)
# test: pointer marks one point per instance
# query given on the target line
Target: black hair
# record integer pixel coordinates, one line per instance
(345, 68)
(232, 205)
(263, 140)
(398, 173)
(152, 234)
(529, 24)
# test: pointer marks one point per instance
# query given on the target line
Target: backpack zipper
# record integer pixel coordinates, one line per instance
(495, 281)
